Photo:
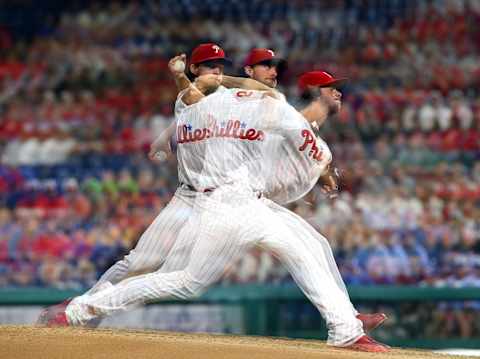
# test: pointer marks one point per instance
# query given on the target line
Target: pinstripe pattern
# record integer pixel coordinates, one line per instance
(314, 240)
(162, 237)
(222, 242)
(158, 239)
(155, 243)
(309, 259)
(223, 225)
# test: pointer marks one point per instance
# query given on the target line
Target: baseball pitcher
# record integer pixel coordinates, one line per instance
(221, 159)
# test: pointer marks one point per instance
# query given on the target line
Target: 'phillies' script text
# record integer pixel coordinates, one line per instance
(232, 129)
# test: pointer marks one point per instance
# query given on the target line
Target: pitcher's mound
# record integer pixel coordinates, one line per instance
(21, 342)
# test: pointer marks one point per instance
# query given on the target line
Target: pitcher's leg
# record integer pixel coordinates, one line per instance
(309, 266)
(218, 243)
(315, 241)
(180, 254)
(154, 244)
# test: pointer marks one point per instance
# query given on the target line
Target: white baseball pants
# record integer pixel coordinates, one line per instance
(156, 243)
(225, 229)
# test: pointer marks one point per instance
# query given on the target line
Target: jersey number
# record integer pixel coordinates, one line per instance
(244, 93)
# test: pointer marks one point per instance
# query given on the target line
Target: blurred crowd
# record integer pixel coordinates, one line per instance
(82, 100)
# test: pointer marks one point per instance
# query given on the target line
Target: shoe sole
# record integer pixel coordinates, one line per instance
(369, 348)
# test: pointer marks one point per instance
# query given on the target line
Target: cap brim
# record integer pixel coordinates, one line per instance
(222, 60)
(336, 83)
(275, 62)
(280, 64)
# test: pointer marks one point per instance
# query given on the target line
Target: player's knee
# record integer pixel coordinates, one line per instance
(129, 259)
(193, 287)
(136, 264)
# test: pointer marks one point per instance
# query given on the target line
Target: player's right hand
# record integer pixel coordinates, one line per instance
(175, 69)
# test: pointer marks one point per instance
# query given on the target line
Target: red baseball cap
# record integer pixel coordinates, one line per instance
(319, 79)
(258, 55)
(208, 52)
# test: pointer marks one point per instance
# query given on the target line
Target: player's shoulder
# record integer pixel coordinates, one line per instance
(288, 109)
(280, 96)
(180, 105)
(221, 89)
(291, 117)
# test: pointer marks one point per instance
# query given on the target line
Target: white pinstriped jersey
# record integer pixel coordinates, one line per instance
(244, 137)
(180, 105)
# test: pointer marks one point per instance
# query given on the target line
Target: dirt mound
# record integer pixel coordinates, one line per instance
(22, 342)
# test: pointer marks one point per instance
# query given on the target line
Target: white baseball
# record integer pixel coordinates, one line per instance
(179, 66)
(161, 155)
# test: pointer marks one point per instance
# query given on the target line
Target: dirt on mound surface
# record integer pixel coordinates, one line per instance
(23, 342)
